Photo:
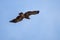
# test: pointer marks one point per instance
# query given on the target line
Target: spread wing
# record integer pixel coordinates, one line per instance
(31, 13)
(17, 19)
(27, 14)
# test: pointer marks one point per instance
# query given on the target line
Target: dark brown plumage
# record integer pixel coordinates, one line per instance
(22, 16)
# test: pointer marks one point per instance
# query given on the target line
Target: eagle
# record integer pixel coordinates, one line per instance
(25, 15)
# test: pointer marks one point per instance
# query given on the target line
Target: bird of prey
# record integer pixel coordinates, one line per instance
(22, 15)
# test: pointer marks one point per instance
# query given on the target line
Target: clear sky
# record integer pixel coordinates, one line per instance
(43, 26)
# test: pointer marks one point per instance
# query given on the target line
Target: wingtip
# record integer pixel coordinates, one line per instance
(12, 22)
(37, 11)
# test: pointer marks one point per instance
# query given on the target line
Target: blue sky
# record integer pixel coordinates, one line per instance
(43, 26)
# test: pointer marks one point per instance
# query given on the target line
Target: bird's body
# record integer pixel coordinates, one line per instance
(22, 16)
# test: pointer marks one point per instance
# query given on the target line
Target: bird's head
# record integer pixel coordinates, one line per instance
(20, 13)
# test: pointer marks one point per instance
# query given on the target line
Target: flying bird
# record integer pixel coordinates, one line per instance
(21, 16)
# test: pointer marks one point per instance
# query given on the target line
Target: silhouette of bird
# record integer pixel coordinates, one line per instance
(21, 16)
